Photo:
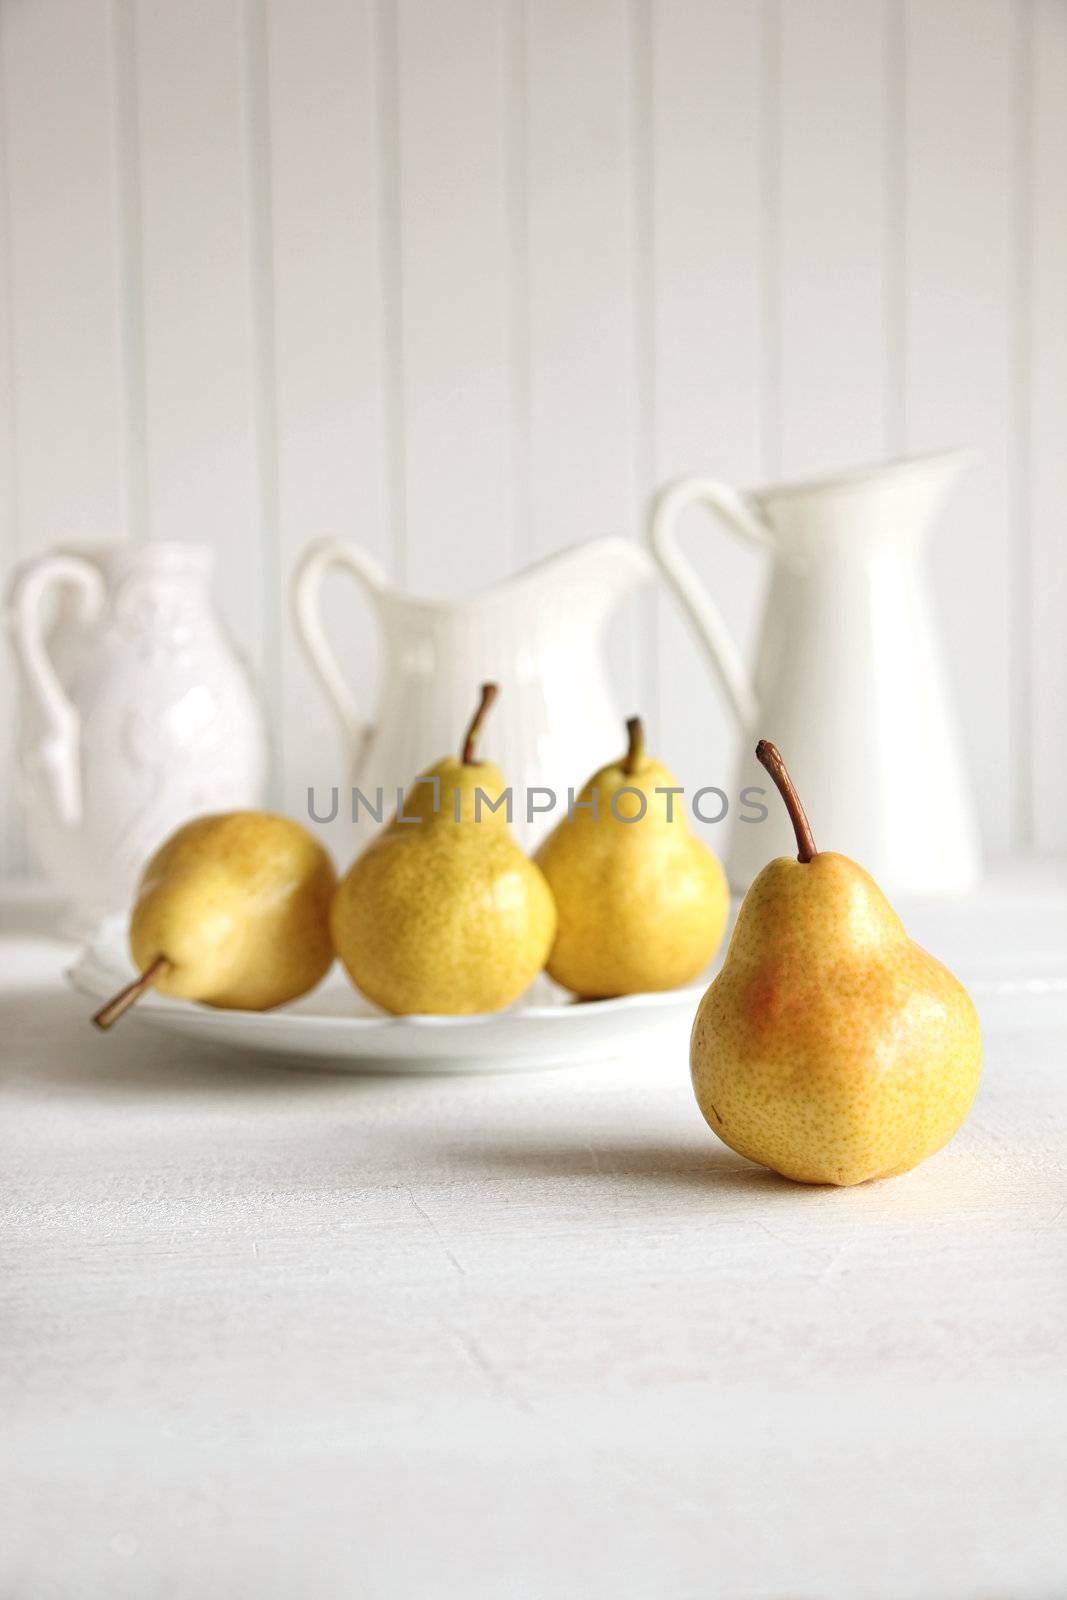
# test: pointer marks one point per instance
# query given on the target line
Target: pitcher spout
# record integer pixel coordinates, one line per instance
(605, 568)
(894, 497)
(595, 575)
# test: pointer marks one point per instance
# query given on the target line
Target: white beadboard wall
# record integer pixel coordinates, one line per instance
(464, 280)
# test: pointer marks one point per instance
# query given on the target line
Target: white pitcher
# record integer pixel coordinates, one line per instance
(135, 713)
(849, 681)
(539, 635)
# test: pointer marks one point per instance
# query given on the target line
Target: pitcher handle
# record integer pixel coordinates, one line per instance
(732, 508)
(58, 753)
(307, 615)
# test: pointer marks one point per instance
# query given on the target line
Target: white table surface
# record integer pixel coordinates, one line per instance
(271, 1333)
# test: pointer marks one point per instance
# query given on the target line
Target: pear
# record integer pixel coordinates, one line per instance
(642, 903)
(442, 912)
(232, 910)
(831, 1048)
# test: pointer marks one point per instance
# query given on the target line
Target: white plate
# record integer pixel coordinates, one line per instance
(335, 1025)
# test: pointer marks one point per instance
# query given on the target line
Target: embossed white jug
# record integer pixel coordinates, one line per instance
(849, 681)
(539, 635)
(135, 712)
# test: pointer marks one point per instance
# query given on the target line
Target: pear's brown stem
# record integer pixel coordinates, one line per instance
(767, 755)
(637, 746)
(120, 1003)
(489, 694)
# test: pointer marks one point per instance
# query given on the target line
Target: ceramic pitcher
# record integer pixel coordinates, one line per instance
(135, 711)
(849, 680)
(539, 635)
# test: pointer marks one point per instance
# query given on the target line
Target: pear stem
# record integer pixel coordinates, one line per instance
(767, 755)
(636, 747)
(120, 1003)
(489, 694)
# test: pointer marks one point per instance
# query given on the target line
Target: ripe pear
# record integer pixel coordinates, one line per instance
(442, 912)
(642, 903)
(831, 1048)
(232, 910)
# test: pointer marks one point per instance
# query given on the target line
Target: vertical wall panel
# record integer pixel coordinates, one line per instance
(62, 316)
(204, 477)
(833, 125)
(452, 125)
(12, 842)
(582, 315)
(328, 315)
(581, 311)
(65, 329)
(959, 260)
(708, 287)
(1045, 603)
(128, 179)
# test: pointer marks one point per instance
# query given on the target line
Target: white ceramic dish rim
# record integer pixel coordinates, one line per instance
(94, 975)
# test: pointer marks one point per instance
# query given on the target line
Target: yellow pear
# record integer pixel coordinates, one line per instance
(831, 1048)
(442, 912)
(642, 903)
(232, 910)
